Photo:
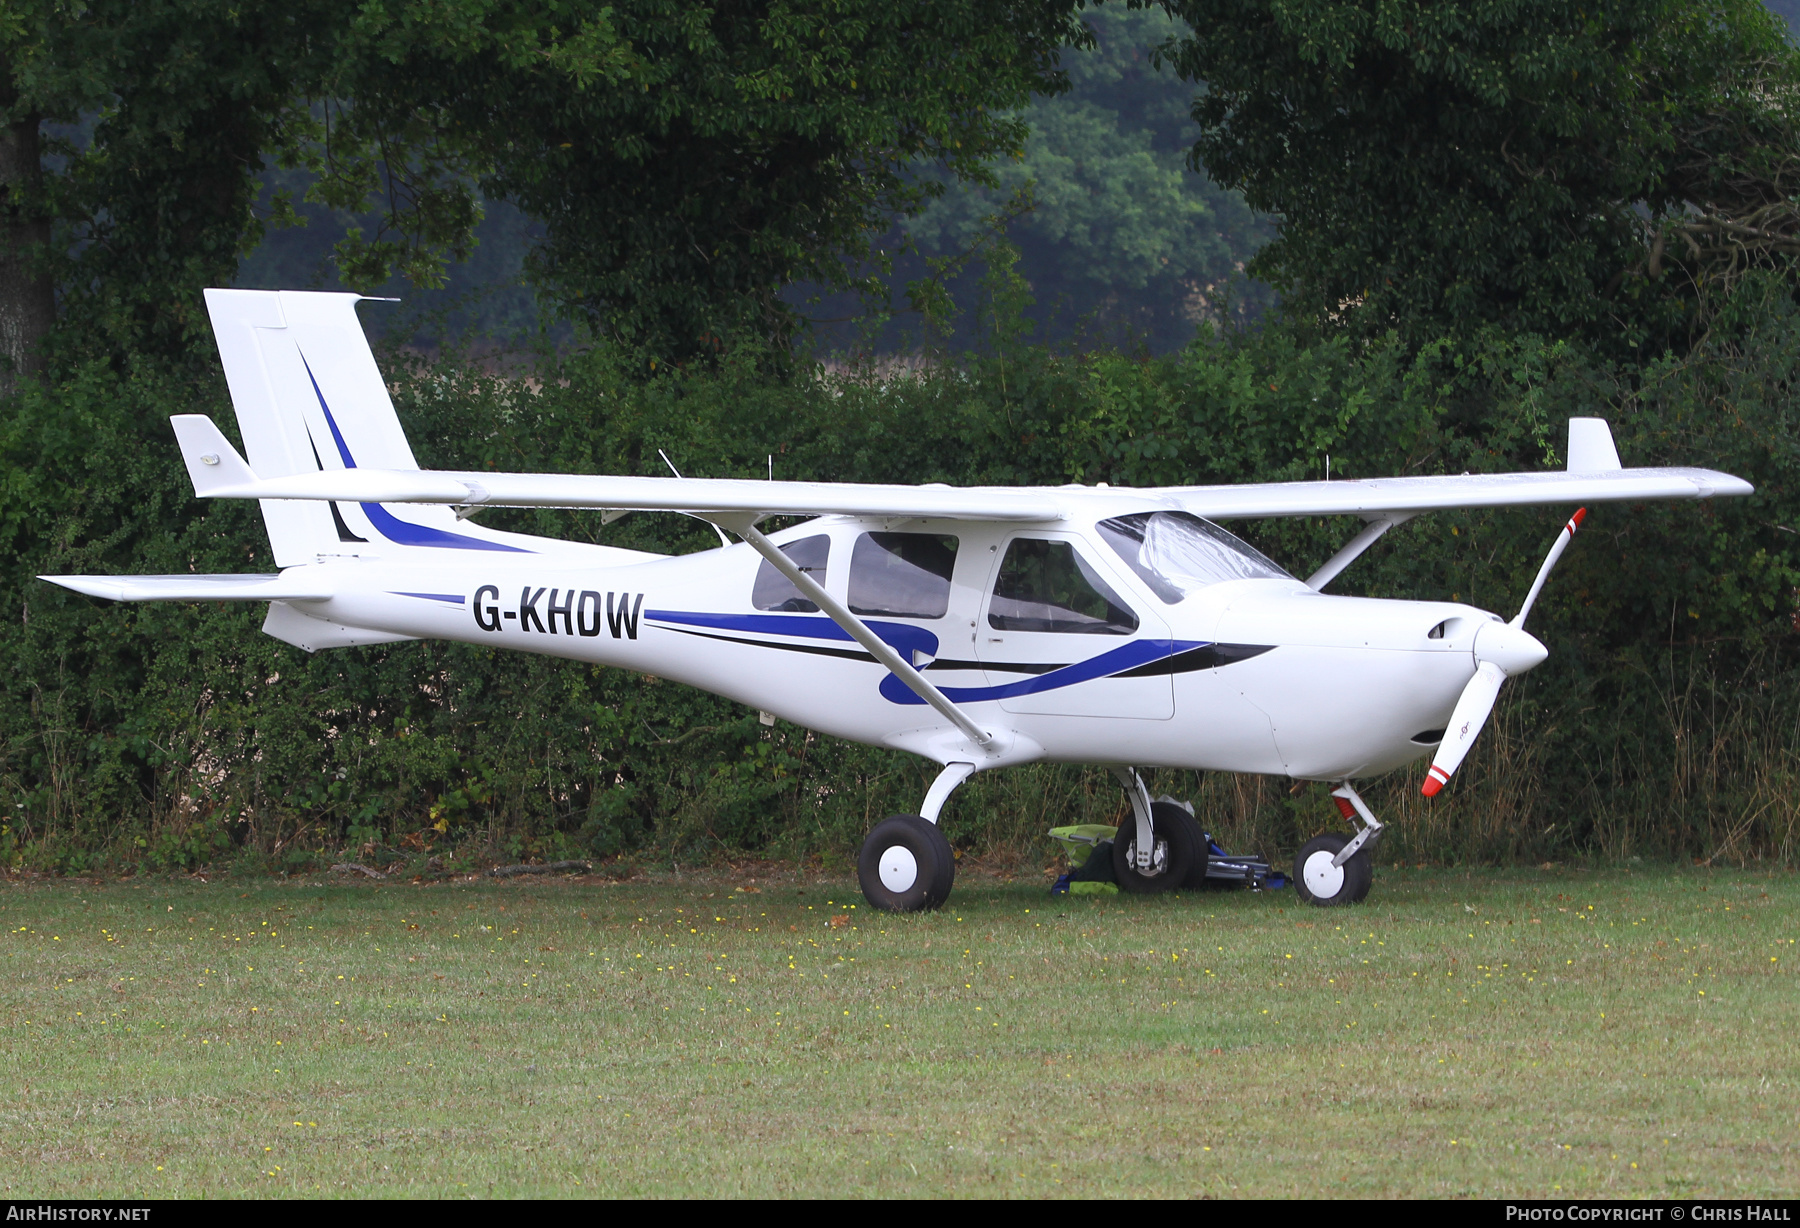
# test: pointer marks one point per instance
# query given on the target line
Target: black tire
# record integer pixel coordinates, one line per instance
(914, 885)
(1178, 846)
(1196, 879)
(1349, 884)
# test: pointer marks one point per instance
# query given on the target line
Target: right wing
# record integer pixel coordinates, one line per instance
(227, 476)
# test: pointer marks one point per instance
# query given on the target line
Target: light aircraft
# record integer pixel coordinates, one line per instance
(978, 627)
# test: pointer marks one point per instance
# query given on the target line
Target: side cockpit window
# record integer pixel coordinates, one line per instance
(774, 591)
(1177, 553)
(902, 575)
(1047, 586)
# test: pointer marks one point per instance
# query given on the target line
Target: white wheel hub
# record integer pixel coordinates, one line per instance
(898, 869)
(1322, 878)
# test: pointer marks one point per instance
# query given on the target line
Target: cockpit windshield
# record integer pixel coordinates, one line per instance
(1177, 553)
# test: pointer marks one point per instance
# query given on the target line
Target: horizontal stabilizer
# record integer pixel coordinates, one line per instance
(282, 587)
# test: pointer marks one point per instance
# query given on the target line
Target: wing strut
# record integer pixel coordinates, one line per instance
(1354, 548)
(880, 649)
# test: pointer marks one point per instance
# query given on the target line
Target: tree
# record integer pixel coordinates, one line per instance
(136, 130)
(686, 161)
(707, 156)
(27, 297)
(1119, 232)
(1536, 166)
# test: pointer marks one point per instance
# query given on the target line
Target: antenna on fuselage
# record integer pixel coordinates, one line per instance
(723, 540)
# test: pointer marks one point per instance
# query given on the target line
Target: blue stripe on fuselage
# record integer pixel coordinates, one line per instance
(1125, 657)
(906, 638)
(901, 637)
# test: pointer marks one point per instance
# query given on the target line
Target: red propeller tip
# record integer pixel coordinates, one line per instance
(1431, 787)
(1579, 516)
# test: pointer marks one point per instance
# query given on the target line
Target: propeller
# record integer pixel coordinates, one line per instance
(1501, 650)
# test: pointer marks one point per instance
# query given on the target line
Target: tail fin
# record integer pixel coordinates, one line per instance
(309, 397)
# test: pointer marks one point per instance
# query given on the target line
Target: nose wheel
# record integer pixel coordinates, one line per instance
(1333, 869)
(1318, 880)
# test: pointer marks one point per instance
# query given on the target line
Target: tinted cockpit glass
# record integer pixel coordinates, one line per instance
(902, 575)
(774, 591)
(1177, 553)
(1047, 586)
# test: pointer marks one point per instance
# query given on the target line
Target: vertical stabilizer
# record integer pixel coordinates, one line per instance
(238, 317)
(309, 397)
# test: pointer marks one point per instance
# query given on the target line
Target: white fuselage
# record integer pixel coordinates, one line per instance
(1247, 675)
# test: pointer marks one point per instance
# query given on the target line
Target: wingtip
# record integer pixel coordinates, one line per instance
(213, 465)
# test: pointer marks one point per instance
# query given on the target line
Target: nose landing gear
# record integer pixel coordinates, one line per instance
(1332, 869)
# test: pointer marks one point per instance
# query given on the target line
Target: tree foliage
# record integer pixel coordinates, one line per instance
(1116, 233)
(1593, 168)
(155, 119)
(685, 161)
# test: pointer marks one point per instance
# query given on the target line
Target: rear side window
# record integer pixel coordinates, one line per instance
(1048, 586)
(902, 575)
(774, 591)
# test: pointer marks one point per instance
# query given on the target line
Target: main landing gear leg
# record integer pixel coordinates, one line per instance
(906, 865)
(1330, 869)
(1159, 846)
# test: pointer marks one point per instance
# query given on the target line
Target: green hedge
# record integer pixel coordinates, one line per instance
(1666, 724)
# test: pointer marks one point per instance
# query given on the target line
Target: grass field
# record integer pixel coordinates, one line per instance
(1622, 1033)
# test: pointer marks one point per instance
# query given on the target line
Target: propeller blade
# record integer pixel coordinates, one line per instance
(1465, 725)
(1562, 543)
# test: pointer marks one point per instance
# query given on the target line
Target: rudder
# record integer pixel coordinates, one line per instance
(309, 397)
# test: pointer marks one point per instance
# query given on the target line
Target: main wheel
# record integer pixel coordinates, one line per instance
(1177, 843)
(1319, 882)
(906, 865)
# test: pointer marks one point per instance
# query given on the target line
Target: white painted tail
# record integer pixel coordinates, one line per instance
(309, 397)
